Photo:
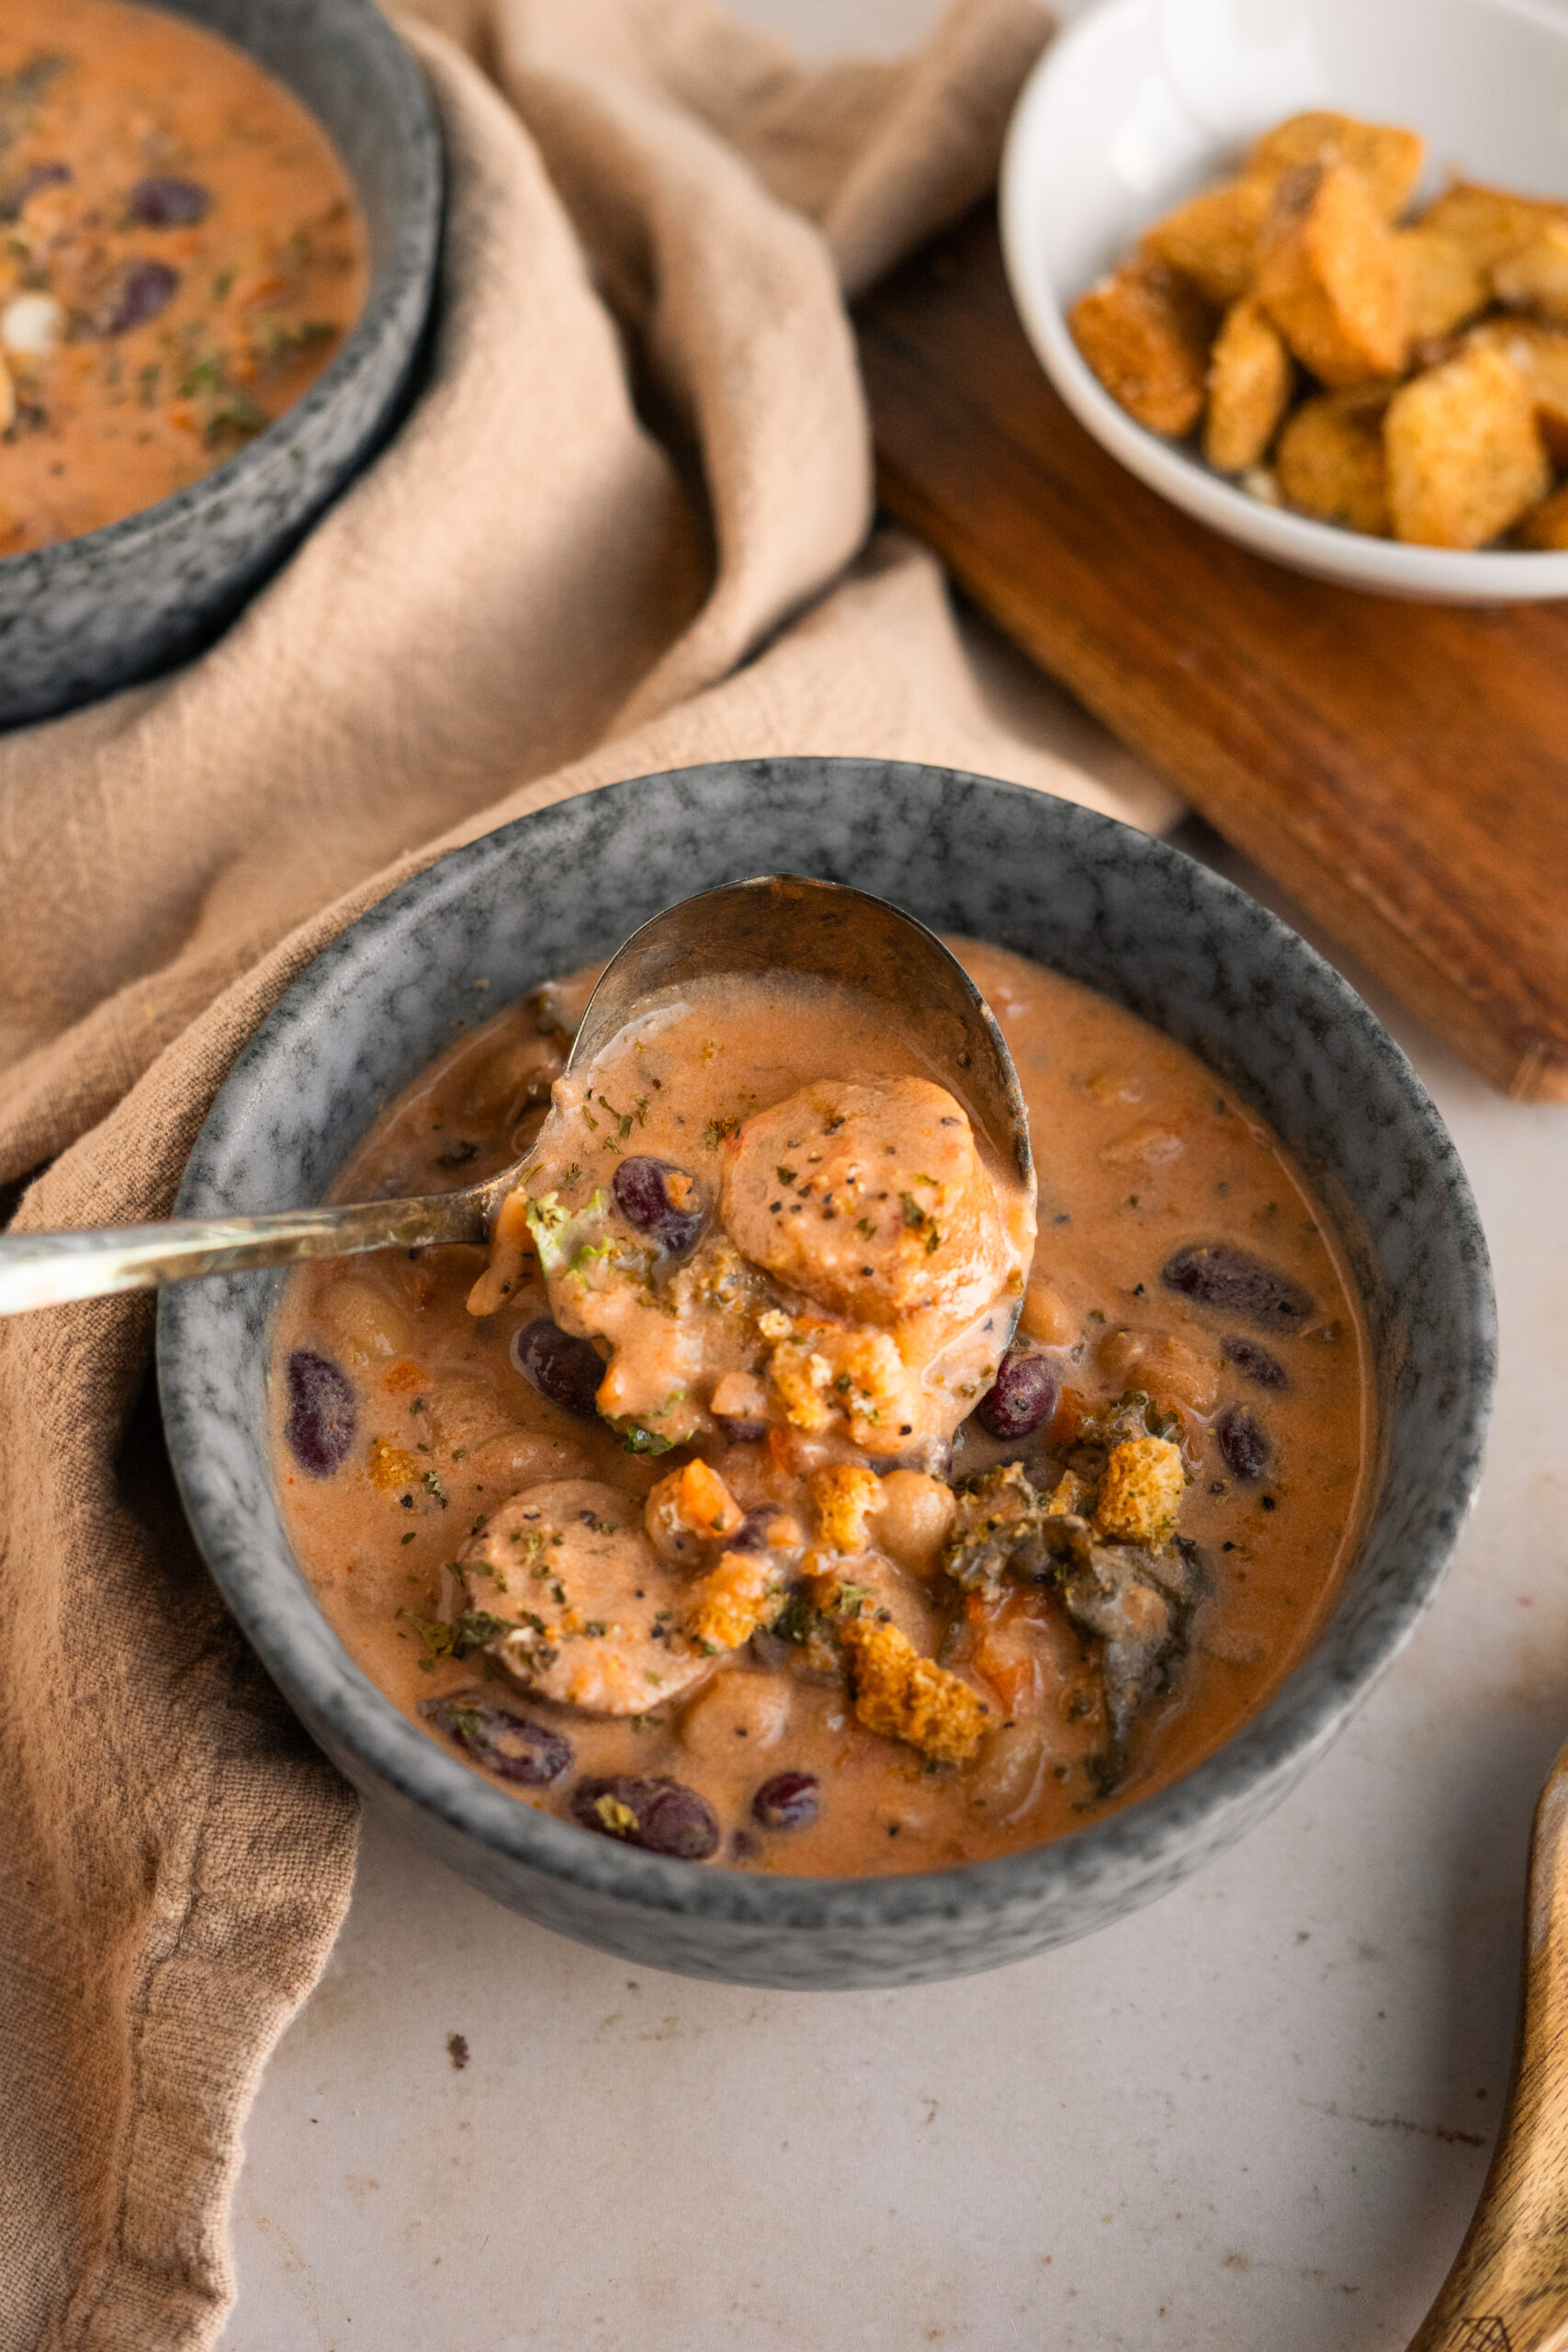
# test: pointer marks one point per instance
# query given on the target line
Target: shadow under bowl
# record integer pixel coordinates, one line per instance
(1129, 915)
(88, 616)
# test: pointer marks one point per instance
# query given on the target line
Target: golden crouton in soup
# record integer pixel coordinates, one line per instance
(1250, 375)
(1329, 462)
(1329, 277)
(1386, 158)
(1465, 456)
(1146, 333)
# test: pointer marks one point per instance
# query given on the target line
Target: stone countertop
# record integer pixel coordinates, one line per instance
(1254, 2115)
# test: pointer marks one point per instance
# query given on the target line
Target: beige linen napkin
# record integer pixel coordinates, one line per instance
(624, 527)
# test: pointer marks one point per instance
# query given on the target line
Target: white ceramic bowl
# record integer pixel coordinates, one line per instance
(1141, 102)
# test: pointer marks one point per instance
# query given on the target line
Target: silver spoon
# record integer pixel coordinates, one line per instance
(780, 922)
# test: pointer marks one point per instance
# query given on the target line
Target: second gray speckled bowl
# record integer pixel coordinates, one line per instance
(88, 614)
(1106, 905)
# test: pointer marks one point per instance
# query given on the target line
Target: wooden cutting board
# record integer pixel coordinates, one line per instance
(1401, 769)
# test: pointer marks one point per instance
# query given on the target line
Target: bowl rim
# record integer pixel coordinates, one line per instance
(410, 258)
(1390, 567)
(305, 1658)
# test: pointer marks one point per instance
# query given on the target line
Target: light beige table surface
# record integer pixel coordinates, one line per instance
(1252, 2119)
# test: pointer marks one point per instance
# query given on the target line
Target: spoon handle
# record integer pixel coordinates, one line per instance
(1508, 2289)
(47, 1268)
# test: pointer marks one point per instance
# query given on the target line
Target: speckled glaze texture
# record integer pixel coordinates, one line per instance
(102, 611)
(1129, 915)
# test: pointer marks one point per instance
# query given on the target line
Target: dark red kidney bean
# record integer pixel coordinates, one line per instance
(1245, 1443)
(788, 1800)
(666, 1817)
(511, 1745)
(37, 175)
(1022, 1399)
(162, 202)
(1217, 1274)
(321, 1424)
(643, 1198)
(137, 292)
(1254, 1364)
(565, 1370)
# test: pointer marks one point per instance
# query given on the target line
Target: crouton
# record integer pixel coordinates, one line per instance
(1250, 384)
(733, 1601)
(1140, 1492)
(1534, 277)
(902, 1695)
(1146, 334)
(1490, 221)
(1211, 241)
(845, 1495)
(1540, 355)
(1329, 277)
(1445, 286)
(1330, 464)
(1465, 455)
(390, 1466)
(1545, 527)
(1388, 159)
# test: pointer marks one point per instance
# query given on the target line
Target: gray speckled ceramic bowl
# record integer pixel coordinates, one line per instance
(1106, 905)
(91, 614)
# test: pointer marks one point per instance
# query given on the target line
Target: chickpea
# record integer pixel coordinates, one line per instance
(740, 1712)
(464, 1411)
(1046, 1317)
(914, 1519)
(519, 1458)
(1012, 1770)
(367, 1326)
(1169, 1368)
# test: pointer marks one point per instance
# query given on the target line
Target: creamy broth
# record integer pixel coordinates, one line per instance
(181, 255)
(931, 1679)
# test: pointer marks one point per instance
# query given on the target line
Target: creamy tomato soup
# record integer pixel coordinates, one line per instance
(712, 1507)
(180, 256)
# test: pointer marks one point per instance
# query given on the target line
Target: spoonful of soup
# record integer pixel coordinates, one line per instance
(718, 1247)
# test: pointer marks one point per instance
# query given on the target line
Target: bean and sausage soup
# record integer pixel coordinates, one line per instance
(181, 255)
(707, 1509)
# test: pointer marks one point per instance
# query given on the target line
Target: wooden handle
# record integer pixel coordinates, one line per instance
(1508, 2289)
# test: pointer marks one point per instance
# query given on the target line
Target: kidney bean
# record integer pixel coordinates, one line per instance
(788, 1800)
(511, 1745)
(1254, 1364)
(137, 292)
(642, 1195)
(661, 1816)
(162, 202)
(1245, 1443)
(1023, 1397)
(1215, 1274)
(565, 1370)
(321, 1423)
